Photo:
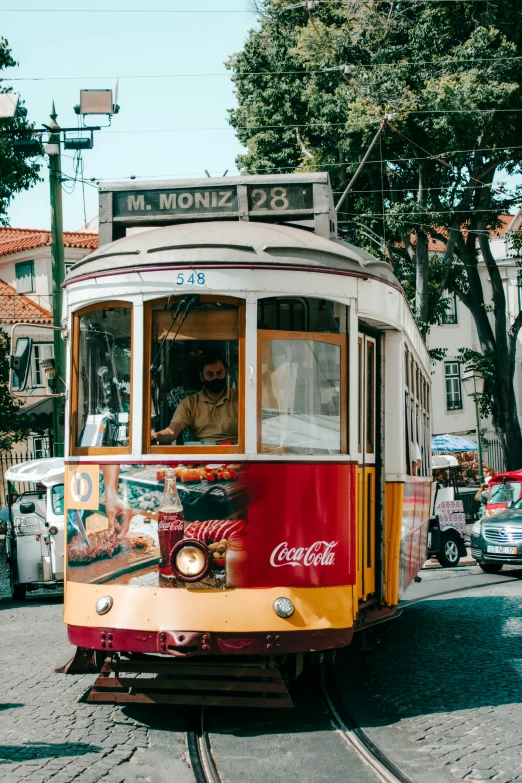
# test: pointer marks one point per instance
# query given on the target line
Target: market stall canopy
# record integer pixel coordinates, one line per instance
(452, 443)
(44, 471)
(443, 461)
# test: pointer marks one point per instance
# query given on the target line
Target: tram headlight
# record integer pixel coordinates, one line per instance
(190, 560)
(104, 604)
(53, 530)
(283, 607)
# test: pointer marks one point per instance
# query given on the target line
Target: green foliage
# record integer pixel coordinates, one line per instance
(449, 75)
(437, 354)
(14, 427)
(16, 173)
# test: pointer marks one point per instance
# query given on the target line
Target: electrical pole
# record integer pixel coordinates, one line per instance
(58, 276)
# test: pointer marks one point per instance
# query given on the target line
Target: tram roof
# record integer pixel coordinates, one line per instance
(231, 243)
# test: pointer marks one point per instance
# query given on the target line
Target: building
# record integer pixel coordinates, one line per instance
(453, 411)
(26, 296)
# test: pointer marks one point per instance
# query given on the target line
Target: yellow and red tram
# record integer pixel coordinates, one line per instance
(248, 467)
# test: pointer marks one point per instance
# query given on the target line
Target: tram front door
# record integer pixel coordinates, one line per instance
(367, 468)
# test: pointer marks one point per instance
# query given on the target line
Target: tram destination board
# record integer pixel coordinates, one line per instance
(185, 202)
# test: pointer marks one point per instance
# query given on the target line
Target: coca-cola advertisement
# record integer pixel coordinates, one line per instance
(211, 526)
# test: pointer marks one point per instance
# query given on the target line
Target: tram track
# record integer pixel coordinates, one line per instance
(200, 753)
(201, 756)
(355, 736)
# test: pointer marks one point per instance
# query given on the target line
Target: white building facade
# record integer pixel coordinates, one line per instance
(454, 412)
(26, 296)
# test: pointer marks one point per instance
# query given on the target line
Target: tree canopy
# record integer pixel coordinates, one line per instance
(16, 175)
(16, 172)
(312, 88)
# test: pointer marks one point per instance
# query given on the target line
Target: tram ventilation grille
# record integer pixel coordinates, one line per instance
(503, 535)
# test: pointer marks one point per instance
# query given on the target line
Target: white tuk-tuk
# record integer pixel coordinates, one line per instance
(449, 544)
(35, 530)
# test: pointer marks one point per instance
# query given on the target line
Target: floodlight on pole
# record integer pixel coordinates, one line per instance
(97, 102)
(10, 107)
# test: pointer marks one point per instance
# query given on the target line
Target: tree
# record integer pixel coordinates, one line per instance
(16, 174)
(449, 75)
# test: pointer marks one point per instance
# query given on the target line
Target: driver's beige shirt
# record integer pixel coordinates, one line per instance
(208, 420)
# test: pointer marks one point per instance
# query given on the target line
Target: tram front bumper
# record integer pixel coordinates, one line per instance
(185, 644)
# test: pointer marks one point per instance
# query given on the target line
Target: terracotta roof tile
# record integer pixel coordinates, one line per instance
(436, 246)
(14, 240)
(17, 307)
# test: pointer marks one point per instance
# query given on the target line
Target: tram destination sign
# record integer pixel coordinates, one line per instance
(184, 202)
(189, 201)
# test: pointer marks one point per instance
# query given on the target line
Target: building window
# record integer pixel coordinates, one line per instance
(41, 351)
(25, 277)
(450, 315)
(40, 448)
(453, 387)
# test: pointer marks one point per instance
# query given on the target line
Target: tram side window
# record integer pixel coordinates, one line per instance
(103, 377)
(302, 314)
(194, 373)
(302, 395)
(417, 419)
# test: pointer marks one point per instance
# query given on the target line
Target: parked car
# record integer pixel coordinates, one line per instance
(497, 540)
(35, 526)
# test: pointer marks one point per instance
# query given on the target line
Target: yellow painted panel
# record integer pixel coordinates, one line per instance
(369, 529)
(151, 609)
(394, 494)
(359, 540)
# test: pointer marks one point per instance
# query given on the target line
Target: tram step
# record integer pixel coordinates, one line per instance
(217, 684)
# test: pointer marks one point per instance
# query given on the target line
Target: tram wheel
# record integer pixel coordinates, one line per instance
(491, 568)
(449, 555)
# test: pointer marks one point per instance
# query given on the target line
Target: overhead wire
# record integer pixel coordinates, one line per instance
(307, 72)
(200, 10)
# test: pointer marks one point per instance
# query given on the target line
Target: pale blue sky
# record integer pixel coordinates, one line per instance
(97, 48)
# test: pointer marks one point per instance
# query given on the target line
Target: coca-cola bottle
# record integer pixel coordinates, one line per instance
(170, 522)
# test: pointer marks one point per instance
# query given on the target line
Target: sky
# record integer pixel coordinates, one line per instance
(171, 125)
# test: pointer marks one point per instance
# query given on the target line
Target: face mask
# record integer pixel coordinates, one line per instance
(216, 385)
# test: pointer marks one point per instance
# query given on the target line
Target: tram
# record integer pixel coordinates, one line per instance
(248, 472)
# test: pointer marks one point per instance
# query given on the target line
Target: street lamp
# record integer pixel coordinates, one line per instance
(473, 382)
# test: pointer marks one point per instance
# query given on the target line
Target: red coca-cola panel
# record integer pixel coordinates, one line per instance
(264, 524)
(301, 524)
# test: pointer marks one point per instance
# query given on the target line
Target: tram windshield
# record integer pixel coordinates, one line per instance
(194, 371)
(104, 378)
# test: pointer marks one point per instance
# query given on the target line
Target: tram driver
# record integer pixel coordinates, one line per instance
(212, 413)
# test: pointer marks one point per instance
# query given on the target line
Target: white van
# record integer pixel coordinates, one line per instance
(35, 529)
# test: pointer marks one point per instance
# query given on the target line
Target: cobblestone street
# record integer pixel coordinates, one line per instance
(448, 676)
(46, 734)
